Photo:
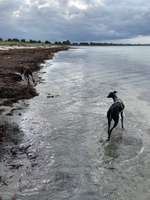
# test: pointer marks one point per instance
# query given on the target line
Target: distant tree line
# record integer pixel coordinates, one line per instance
(105, 44)
(68, 42)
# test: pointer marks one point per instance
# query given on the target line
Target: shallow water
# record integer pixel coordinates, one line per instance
(67, 133)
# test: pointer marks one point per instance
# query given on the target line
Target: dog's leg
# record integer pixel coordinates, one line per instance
(116, 120)
(109, 134)
(32, 78)
(122, 119)
(109, 124)
(28, 79)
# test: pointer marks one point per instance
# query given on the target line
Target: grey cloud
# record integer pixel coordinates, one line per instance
(81, 20)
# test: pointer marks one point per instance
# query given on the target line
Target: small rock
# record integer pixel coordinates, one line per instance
(111, 168)
(50, 96)
(31, 155)
(9, 114)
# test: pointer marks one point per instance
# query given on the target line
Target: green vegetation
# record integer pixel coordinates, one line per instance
(46, 43)
(32, 43)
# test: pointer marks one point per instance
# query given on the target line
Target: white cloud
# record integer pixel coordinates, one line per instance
(78, 4)
(84, 5)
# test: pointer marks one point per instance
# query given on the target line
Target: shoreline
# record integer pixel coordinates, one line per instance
(12, 88)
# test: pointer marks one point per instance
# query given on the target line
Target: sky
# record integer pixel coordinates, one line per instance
(76, 20)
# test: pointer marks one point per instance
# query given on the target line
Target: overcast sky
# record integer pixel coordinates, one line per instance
(76, 20)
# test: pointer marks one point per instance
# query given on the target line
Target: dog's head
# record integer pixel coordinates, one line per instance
(112, 94)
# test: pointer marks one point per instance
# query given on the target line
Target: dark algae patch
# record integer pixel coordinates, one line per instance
(11, 63)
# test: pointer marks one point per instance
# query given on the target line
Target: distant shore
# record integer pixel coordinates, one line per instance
(12, 60)
(33, 43)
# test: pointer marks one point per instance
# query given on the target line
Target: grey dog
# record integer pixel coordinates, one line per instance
(113, 112)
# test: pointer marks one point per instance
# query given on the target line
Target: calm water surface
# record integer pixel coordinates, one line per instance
(68, 132)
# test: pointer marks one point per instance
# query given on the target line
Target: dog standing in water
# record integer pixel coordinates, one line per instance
(27, 73)
(113, 113)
